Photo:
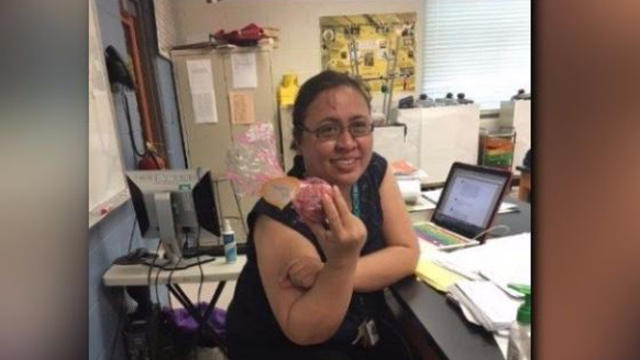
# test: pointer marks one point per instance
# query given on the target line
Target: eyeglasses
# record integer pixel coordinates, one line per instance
(331, 131)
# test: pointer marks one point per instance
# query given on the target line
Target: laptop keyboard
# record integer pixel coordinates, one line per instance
(436, 236)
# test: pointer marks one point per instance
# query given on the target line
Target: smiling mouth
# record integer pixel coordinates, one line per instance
(344, 164)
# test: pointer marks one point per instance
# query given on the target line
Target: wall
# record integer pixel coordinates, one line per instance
(298, 21)
(109, 239)
(169, 112)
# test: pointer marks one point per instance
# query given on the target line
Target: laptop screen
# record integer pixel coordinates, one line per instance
(470, 199)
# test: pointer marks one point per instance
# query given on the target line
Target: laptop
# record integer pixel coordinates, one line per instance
(469, 201)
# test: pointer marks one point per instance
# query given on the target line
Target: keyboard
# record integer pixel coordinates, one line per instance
(440, 237)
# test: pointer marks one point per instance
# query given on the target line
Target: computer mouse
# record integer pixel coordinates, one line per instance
(139, 253)
(135, 257)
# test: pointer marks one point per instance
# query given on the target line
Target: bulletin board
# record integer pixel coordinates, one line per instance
(107, 187)
(368, 45)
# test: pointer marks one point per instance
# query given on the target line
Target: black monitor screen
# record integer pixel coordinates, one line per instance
(190, 194)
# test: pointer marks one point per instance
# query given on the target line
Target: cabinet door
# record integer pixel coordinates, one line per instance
(443, 135)
(448, 134)
(206, 144)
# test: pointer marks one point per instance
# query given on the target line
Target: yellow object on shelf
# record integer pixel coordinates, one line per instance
(288, 90)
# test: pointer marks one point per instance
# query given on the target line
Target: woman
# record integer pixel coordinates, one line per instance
(312, 291)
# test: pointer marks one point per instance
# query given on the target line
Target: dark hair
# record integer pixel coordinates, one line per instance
(325, 80)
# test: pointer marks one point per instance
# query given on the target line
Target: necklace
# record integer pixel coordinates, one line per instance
(355, 200)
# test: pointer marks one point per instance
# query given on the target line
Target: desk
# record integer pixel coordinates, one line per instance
(445, 328)
(136, 275)
(214, 271)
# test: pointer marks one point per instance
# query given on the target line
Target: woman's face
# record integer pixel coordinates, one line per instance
(340, 160)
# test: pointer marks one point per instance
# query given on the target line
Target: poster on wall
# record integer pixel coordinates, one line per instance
(379, 48)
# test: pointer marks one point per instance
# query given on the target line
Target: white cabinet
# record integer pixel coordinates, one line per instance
(439, 136)
(206, 144)
(517, 114)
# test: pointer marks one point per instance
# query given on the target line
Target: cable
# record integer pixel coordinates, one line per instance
(128, 116)
(133, 228)
(495, 227)
(134, 146)
(199, 290)
(156, 285)
(153, 264)
(120, 317)
(235, 196)
(199, 266)
(169, 281)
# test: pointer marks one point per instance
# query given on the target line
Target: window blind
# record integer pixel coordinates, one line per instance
(479, 47)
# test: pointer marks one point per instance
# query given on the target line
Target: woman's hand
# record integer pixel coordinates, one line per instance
(302, 272)
(346, 233)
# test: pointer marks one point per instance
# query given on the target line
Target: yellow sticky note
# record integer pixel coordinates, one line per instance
(435, 275)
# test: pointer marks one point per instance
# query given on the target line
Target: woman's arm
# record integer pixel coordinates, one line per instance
(400, 256)
(310, 316)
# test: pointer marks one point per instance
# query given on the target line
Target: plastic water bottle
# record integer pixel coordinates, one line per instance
(519, 347)
(229, 241)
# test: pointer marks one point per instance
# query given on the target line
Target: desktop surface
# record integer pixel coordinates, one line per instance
(138, 274)
(445, 326)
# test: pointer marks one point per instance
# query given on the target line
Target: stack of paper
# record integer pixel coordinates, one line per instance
(490, 306)
(502, 260)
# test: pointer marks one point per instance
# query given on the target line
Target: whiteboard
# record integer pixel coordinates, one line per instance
(107, 187)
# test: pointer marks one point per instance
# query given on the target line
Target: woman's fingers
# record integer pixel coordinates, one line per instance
(333, 216)
(340, 204)
(318, 230)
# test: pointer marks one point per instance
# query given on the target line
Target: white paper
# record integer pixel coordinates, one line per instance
(243, 67)
(432, 195)
(421, 204)
(503, 260)
(501, 336)
(494, 309)
(203, 95)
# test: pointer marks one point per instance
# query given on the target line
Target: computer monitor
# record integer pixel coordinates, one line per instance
(175, 206)
(471, 198)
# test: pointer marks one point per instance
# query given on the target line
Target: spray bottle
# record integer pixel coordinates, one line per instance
(519, 347)
(229, 241)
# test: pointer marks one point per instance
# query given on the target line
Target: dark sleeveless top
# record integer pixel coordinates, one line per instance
(250, 321)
